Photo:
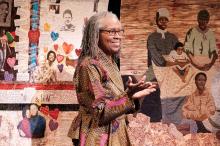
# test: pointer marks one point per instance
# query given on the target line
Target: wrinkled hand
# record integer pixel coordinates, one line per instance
(141, 88)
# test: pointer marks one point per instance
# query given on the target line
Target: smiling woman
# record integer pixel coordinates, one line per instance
(99, 87)
(5, 13)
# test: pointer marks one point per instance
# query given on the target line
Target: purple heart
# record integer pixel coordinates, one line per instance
(53, 125)
(8, 76)
(60, 67)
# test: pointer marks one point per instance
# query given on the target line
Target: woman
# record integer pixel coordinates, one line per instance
(99, 87)
(46, 72)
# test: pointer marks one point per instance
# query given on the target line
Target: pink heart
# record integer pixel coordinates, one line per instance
(11, 61)
(53, 125)
(60, 58)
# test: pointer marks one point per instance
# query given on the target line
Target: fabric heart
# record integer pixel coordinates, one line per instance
(78, 51)
(45, 49)
(53, 125)
(8, 76)
(47, 27)
(54, 35)
(60, 67)
(34, 35)
(60, 58)
(54, 113)
(44, 110)
(11, 61)
(55, 46)
(67, 47)
(10, 37)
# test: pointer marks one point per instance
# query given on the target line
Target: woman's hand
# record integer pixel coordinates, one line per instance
(141, 88)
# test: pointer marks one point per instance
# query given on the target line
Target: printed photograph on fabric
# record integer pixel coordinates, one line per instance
(32, 125)
(5, 13)
(67, 19)
(54, 9)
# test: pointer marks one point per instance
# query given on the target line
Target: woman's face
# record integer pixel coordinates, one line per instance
(203, 24)
(200, 82)
(110, 35)
(28, 113)
(51, 57)
(162, 23)
(33, 110)
(3, 12)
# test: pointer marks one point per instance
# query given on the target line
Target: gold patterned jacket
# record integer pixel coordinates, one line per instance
(101, 95)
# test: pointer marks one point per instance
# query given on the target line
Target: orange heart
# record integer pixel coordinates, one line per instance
(67, 48)
(45, 49)
(47, 27)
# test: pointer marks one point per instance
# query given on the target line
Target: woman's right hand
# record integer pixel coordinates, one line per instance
(141, 88)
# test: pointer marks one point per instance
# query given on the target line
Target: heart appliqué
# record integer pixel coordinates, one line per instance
(54, 35)
(60, 58)
(60, 67)
(47, 27)
(44, 110)
(8, 76)
(45, 49)
(11, 61)
(78, 51)
(54, 113)
(53, 125)
(67, 48)
(34, 35)
(55, 46)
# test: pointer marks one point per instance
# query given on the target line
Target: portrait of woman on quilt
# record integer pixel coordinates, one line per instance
(5, 13)
(46, 73)
(99, 87)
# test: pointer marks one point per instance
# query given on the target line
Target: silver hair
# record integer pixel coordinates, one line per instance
(91, 31)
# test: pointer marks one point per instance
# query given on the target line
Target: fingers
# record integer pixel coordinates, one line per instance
(143, 78)
(143, 93)
(129, 79)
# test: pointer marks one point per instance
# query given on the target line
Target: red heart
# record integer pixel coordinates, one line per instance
(67, 47)
(44, 110)
(55, 46)
(78, 51)
(60, 58)
(54, 113)
(11, 61)
(53, 125)
(34, 35)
